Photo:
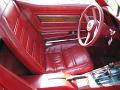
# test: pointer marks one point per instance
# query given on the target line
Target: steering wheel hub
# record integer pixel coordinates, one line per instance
(91, 25)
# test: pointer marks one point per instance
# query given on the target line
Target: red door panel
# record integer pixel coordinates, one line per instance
(53, 21)
(2, 88)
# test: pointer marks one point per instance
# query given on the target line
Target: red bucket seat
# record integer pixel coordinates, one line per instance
(29, 46)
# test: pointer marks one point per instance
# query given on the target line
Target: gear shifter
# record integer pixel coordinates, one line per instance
(107, 74)
(111, 65)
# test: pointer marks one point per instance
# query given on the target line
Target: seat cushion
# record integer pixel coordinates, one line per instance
(68, 57)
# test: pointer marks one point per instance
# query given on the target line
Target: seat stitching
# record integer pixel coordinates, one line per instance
(27, 45)
(33, 49)
(73, 60)
(64, 64)
(21, 35)
(6, 21)
(55, 65)
(16, 26)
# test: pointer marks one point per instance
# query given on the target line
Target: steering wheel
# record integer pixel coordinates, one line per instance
(94, 21)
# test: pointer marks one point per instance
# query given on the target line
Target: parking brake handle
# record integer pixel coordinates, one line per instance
(75, 77)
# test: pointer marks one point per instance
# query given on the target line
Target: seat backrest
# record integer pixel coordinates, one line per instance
(21, 38)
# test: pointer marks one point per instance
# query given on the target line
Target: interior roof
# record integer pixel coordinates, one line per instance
(58, 2)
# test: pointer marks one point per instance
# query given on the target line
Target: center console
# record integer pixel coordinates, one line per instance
(108, 75)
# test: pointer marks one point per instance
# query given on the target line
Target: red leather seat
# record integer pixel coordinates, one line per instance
(69, 57)
(29, 46)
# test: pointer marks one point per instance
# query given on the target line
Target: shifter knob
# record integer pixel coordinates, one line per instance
(111, 65)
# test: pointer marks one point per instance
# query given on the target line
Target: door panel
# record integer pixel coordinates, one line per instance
(2, 88)
(53, 21)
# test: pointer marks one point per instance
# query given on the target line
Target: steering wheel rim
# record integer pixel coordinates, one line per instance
(93, 26)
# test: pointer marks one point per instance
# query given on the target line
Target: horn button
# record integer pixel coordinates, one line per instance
(91, 25)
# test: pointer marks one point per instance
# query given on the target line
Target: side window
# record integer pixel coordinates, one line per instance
(113, 6)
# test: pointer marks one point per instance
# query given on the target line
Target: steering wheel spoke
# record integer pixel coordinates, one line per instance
(95, 32)
(94, 14)
(87, 38)
(86, 17)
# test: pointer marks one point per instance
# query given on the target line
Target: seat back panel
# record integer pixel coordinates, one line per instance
(23, 37)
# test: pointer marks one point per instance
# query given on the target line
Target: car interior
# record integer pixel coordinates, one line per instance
(65, 46)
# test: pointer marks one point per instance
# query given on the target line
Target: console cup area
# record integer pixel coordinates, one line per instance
(51, 81)
(108, 75)
(54, 81)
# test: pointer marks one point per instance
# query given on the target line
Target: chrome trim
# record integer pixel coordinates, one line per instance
(55, 41)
